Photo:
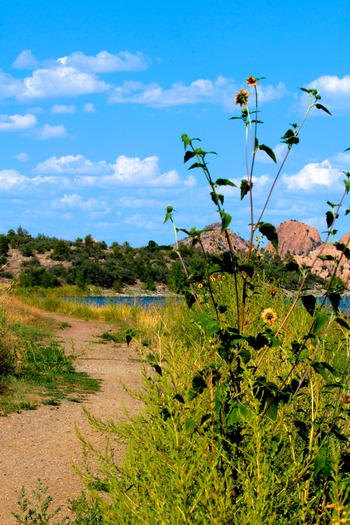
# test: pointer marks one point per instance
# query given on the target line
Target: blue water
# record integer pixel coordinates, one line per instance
(131, 301)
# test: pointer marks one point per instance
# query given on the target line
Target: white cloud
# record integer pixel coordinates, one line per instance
(48, 132)
(63, 109)
(25, 60)
(132, 171)
(105, 62)
(313, 176)
(9, 86)
(141, 221)
(77, 202)
(335, 91)
(10, 179)
(221, 91)
(126, 171)
(22, 157)
(17, 122)
(60, 81)
(268, 93)
(132, 202)
(89, 108)
(73, 164)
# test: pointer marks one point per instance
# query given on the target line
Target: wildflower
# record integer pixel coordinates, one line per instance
(252, 81)
(242, 97)
(347, 398)
(200, 285)
(212, 278)
(269, 315)
(261, 256)
(223, 277)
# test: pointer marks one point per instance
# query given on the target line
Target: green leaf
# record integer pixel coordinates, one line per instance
(247, 268)
(189, 155)
(190, 425)
(320, 369)
(270, 232)
(217, 197)
(330, 216)
(326, 257)
(197, 165)
(309, 303)
(198, 386)
(238, 412)
(268, 151)
(210, 325)
(225, 220)
(291, 266)
(245, 187)
(179, 398)
(245, 355)
(342, 323)
(334, 298)
(168, 214)
(225, 182)
(323, 465)
(320, 106)
(321, 319)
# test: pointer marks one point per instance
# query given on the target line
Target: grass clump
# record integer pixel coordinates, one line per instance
(34, 367)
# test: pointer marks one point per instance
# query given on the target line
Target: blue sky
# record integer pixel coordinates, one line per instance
(94, 97)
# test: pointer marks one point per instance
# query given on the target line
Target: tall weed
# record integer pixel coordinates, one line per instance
(246, 415)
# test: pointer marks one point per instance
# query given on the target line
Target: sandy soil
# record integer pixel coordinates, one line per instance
(43, 443)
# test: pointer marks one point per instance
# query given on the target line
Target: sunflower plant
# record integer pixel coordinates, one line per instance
(263, 377)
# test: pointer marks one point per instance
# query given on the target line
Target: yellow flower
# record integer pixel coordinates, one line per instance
(200, 285)
(252, 81)
(241, 98)
(212, 278)
(223, 277)
(269, 315)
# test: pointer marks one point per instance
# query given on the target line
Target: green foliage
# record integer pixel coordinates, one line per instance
(246, 394)
(37, 511)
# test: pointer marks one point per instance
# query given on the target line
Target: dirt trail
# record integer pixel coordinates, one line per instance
(43, 443)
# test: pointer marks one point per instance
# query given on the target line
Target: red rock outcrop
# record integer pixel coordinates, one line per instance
(296, 238)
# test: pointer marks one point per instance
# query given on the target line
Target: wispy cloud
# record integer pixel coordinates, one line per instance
(89, 108)
(63, 109)
(48, 132)
(22, 157)
(105, 62)
(17, 122)
(75, 201)
(221, 91)
(25, 60)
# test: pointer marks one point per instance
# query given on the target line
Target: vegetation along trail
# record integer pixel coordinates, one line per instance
(43, 443)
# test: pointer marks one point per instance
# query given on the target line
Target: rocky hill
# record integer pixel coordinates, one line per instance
(214, 241)
(304, 243)
(296, 238)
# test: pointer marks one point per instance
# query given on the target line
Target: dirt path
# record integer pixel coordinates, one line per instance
(43, 443)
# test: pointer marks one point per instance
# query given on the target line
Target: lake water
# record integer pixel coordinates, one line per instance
(145, 301)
